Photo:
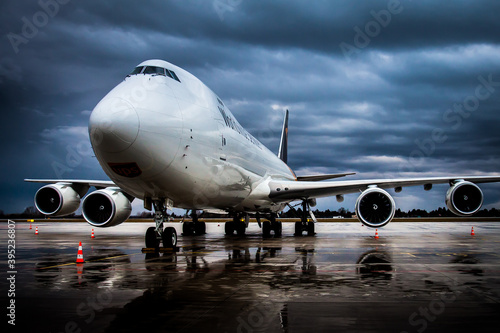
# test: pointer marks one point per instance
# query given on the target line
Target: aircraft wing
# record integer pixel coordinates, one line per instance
(289, 190)
(96, 183)
(323, 177)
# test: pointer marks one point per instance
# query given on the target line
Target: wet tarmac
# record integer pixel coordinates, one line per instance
(417, 277)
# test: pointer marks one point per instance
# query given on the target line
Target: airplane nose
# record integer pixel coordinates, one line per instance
(113, 125)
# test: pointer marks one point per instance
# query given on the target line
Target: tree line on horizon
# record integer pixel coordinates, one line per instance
(32, 212)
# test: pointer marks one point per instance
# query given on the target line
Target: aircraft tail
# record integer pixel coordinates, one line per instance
(283, 151)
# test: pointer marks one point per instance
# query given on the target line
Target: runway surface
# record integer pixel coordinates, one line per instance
(417, 277)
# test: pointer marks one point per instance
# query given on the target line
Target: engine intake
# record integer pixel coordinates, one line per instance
(57, 200)
(375, 207)
(464, 198)
(106, 208)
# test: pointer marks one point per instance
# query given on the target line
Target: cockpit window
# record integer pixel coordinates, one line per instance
(137, 70)
(154, 70)
(174, 76)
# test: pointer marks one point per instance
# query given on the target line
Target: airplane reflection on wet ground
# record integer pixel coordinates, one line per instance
(416, 277)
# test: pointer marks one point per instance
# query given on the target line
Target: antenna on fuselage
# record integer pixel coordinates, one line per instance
(283, 151)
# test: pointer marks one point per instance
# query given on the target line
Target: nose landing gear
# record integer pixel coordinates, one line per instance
(156, 235)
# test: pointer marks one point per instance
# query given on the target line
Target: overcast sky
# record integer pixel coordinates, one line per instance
(380, 88)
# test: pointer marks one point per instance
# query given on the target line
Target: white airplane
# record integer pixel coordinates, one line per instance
(163, 136)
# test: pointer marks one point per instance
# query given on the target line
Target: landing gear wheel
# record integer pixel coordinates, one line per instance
(277, 227)
(240, 228)
(188, 228)
(310, 229)
(266, 229)
(229, 228)
(151, 240)
(298, 229)
(200, 228)
(169, 237)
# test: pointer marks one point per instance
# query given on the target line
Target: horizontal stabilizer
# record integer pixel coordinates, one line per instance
(323, 177)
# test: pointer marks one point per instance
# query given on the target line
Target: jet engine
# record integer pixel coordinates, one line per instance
(375, 207)
(57, 200)
(464, 198)
(106, 208)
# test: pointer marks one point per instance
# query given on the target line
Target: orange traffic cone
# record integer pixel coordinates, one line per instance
(36, 231)
(92, 235)
(30, 225)
(376, 233)
(472, 232)
(79, 256)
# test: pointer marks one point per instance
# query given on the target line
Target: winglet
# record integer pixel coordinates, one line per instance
(283, 151)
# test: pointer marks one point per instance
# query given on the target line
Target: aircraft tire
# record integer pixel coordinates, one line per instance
(240, 228)
(298, 229)
(277, 227)
(229, 228)
(266, 229)
(310, 229)
(200, 228)
(187, 229)
(169, 237)
(151, 241)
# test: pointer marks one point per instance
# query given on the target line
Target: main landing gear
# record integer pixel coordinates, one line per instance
(155, 235)
(236, 225)
(305, 225)
(271, 225)
(194, 227)
(239, 226)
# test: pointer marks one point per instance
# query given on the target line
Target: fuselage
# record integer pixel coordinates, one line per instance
(163, 134)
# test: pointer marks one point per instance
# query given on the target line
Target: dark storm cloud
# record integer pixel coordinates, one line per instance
(370, 108)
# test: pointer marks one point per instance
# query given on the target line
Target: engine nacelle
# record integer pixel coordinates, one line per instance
(375, 207)
(57, 200)
(106, 208)
(464, 198)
